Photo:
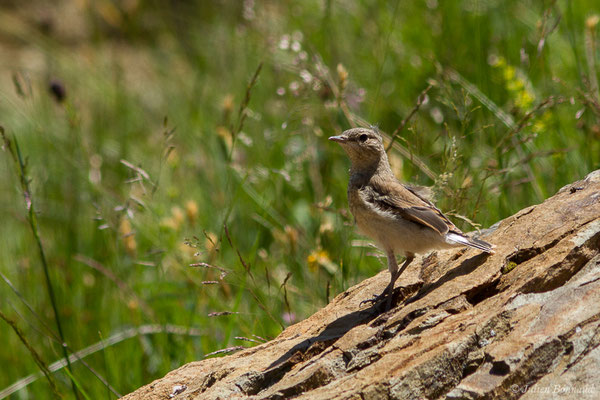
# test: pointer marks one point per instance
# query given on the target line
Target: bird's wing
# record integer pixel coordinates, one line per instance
(394, 197)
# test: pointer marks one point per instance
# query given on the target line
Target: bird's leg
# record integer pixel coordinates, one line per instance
(394, 274)
(393, 268)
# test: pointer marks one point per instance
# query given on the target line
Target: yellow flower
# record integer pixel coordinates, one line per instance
(516, 83)
(498, 62)
(541, 123)
(509, 72)
(524, 99)
(320, 258)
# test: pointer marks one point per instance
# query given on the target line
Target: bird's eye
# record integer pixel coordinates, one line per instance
(363, 138)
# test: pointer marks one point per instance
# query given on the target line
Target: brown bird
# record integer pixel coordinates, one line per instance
(396, 216)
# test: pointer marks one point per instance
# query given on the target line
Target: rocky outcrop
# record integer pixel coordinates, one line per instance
(521, 323)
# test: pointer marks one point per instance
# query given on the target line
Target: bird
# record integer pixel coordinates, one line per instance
(398, 217)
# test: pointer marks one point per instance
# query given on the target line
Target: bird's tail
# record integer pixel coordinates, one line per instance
(455, 238)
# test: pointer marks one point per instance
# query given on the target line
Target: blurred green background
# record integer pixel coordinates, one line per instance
(150, 126)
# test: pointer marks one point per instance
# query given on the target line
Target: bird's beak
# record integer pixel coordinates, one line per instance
(339, 139)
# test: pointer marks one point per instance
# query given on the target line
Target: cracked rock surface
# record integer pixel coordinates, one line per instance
(521, 323)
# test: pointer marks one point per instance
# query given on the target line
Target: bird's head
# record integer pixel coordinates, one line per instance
(364, 146)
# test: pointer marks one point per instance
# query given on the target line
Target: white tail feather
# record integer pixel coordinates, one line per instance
(455, 238)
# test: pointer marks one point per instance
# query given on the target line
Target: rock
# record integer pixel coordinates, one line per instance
(521, 323)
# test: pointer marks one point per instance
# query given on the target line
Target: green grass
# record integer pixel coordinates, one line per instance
(164, 139)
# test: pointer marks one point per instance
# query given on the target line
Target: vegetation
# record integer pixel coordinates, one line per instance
(166, 164)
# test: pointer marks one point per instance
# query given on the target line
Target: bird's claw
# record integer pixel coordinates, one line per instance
(376, 299)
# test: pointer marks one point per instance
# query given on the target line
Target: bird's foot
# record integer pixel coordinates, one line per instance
(378, 299)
